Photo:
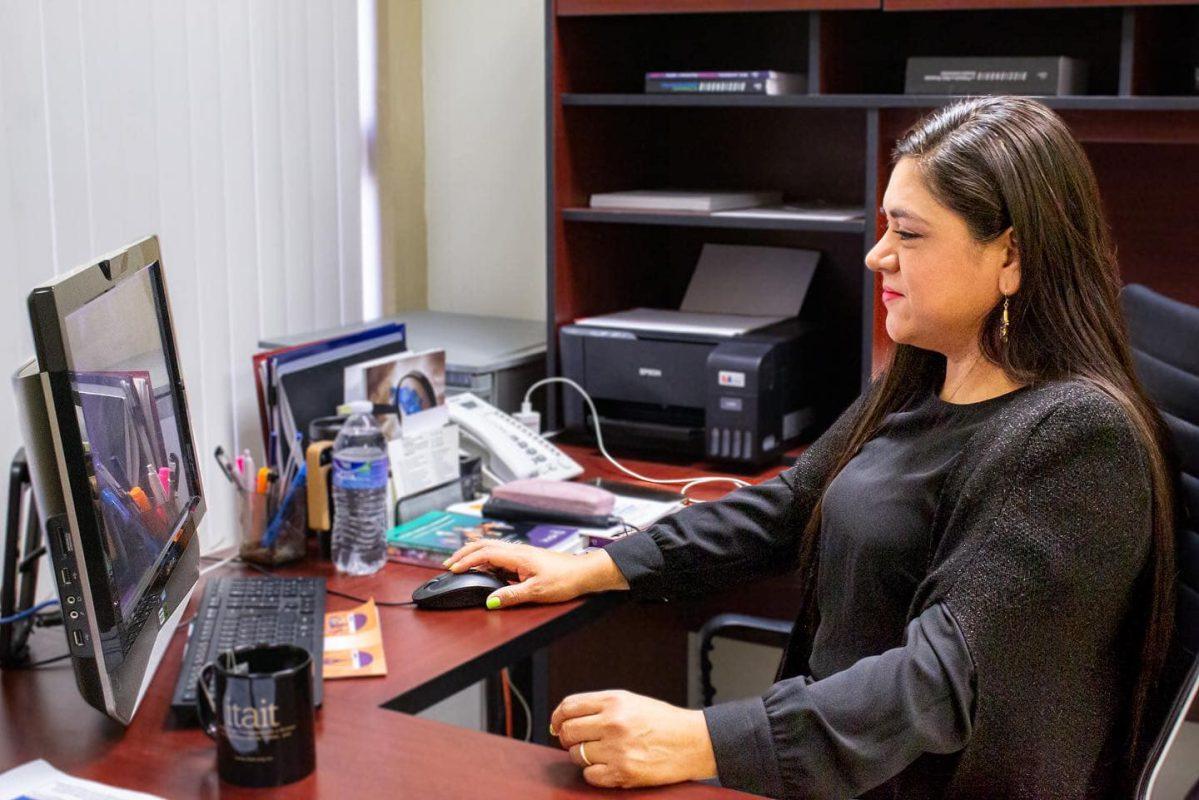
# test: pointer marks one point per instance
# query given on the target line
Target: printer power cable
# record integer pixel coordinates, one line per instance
(528, 414)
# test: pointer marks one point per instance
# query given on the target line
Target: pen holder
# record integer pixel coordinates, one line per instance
(254, 518)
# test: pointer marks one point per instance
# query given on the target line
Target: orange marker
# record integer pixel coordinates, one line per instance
(139, 498)
(261, 481)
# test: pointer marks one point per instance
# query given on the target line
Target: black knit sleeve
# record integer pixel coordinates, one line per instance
(748, 532)
(1040, 574)
(846, 734)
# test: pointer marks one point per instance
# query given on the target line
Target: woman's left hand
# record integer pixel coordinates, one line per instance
(623, 739)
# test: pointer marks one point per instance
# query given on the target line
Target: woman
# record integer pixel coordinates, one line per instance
(986, 534)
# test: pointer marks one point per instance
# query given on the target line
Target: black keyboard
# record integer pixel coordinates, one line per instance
(248, 611)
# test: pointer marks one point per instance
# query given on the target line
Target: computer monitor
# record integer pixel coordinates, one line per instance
(1172, 771)
(104, 417)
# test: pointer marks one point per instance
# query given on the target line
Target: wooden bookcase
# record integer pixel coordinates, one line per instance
(1139, 123)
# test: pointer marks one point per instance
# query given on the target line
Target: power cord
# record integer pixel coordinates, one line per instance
(510, 685)
(526, 412)
(45, 661)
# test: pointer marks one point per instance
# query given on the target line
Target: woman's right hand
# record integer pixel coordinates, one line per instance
(543, 576)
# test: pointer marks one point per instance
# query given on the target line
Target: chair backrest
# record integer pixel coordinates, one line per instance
(1165, 343)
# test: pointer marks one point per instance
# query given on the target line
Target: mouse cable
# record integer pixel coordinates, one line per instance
(365, 599)
(527, 407)
(348, 596)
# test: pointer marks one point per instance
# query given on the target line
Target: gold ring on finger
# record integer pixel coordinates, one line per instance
(583, 754)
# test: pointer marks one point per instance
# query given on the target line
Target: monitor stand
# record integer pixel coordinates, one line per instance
(18, 581)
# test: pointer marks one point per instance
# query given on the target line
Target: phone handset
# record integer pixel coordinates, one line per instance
(511, 450)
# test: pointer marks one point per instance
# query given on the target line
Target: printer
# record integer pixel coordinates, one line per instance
(729, 376)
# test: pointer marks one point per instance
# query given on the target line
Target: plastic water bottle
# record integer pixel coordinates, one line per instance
(359, 493)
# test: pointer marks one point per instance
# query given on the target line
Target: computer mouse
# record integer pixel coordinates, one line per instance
(457, 590)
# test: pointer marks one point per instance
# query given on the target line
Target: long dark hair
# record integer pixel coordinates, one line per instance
(1011, 161)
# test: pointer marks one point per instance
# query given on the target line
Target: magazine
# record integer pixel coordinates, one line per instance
(430, 538)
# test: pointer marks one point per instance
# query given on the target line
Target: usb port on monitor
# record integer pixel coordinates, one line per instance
(65, 572)
(77, 638)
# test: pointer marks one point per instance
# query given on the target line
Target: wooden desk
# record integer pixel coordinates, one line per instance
(596, 466)
(361, 746)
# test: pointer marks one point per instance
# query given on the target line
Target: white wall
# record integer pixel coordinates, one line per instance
(484, 99)
(228, 128)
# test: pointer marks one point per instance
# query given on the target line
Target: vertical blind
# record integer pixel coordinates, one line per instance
(229, 128)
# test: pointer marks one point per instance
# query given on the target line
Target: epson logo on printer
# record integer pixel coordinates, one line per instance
(649, 372)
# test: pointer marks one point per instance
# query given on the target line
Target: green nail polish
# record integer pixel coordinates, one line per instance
(447, 563)
(493, 603)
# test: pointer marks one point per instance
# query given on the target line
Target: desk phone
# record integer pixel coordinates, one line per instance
(511, 450)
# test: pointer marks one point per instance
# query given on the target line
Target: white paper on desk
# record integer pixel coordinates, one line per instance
(37, 780)
(423, 460)
(663, 320)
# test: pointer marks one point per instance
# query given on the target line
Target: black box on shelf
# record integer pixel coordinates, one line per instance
(1032, 75)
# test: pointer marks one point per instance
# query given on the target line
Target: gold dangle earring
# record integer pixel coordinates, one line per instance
(1004, 326)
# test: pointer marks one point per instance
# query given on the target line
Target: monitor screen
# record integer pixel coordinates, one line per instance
(131, 429)
(104, 416)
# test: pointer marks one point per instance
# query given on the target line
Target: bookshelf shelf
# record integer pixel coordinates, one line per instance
(698, 220)
(974, 5)
(567, 8)
(867, 101)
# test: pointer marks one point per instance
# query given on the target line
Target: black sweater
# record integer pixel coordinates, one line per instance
(1039, 533)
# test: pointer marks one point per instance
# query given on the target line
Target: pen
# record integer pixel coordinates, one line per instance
(139, 498)
(262, 480)
(272, 531)
(223, 462)
(164, 478)
(105, 475)
(155, 484)
(110, 498)
(251, 474)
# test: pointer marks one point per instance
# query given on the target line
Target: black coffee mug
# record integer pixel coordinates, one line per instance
(257, 703)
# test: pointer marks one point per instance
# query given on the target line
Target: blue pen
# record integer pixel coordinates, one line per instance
(113, 501)
(272, 530)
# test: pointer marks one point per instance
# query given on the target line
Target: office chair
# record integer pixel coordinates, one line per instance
(760, 630)
(1164, 334)
(1165, 341)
